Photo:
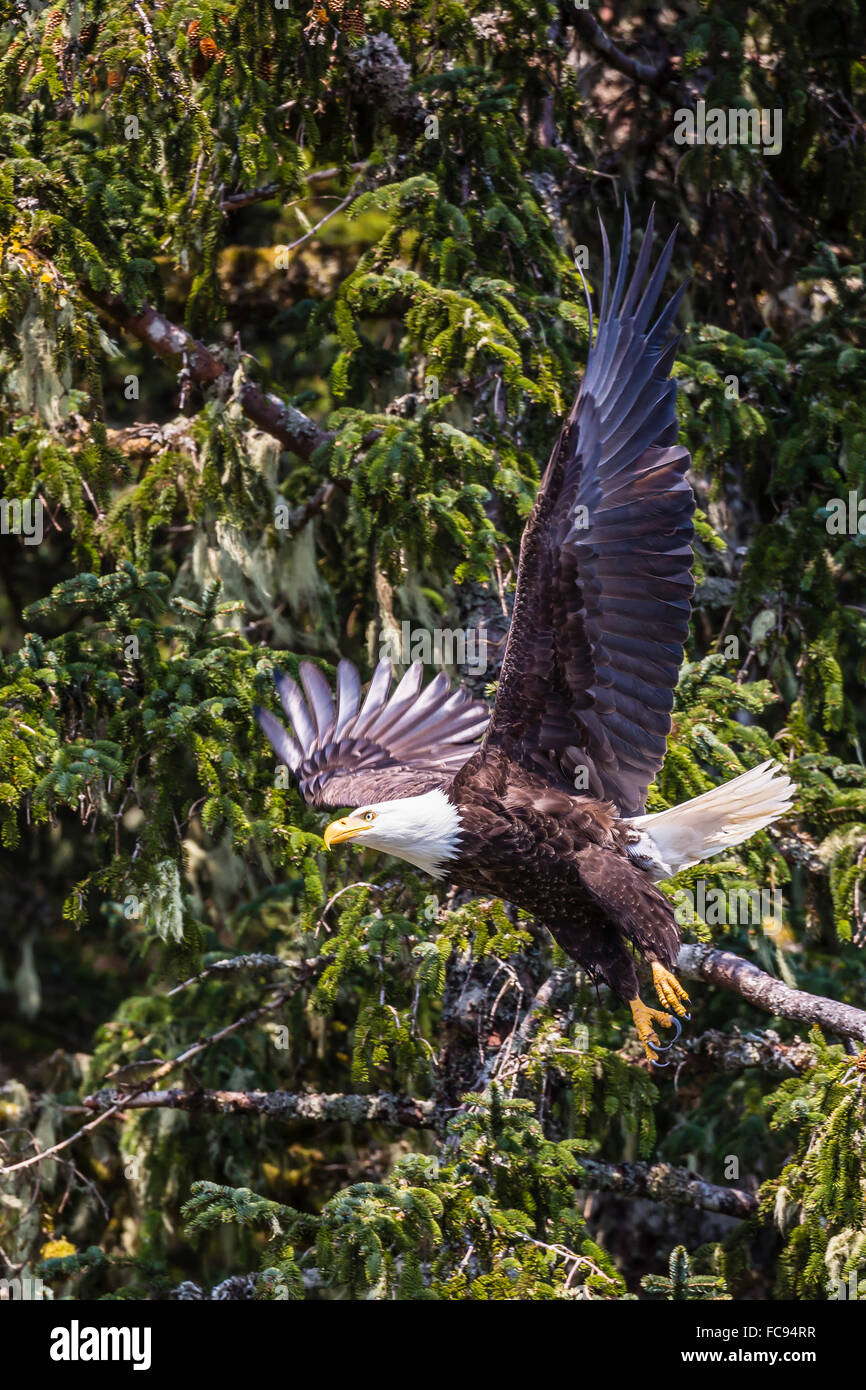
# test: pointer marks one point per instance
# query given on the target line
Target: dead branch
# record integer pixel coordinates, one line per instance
(659, 1182)
(716, 1051)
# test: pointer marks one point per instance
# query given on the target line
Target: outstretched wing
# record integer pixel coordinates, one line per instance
(352, 754)
(604, 585)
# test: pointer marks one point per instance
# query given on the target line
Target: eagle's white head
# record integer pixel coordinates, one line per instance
(423, 830)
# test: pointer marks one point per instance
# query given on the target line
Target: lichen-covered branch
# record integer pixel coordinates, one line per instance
(382, 1108)
(729, 971)
(660, 1182)
(715, 1051)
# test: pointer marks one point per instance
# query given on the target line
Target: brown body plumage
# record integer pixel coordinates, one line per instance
(564, 858)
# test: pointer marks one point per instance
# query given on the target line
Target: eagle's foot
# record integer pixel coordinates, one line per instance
(643, 1021)
(669, 990)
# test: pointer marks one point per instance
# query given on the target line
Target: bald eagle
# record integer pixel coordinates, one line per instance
(541, 800)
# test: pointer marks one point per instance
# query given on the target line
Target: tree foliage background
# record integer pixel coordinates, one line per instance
(290, 315)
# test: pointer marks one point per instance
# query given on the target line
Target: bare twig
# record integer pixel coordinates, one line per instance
(341, 206)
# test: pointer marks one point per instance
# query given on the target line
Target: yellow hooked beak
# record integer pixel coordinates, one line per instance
(345, 829)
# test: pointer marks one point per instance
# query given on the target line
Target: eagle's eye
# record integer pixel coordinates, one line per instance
(369, 815)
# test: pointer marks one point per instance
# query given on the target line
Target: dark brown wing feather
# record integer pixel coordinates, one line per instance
(602, 606)
(631, 902)
(353, 754)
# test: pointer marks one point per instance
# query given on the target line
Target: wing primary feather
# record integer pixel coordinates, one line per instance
(348, 695)
(295, 709)
(654, 285)
(605, 287)
(287, 748)
(319, 697)
(376, 695)
(641, 267)
(588, 301)
(623, 265)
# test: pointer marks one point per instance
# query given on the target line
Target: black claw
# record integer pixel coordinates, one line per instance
(687, 1016)
(656, 1063)
(675, 1023)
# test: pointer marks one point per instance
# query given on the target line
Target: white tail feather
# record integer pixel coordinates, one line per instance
(719, 819)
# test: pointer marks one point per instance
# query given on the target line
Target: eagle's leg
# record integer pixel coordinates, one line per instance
(643, 1021)
(670, 992)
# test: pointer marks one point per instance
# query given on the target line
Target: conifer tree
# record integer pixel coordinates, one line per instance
(291, 308)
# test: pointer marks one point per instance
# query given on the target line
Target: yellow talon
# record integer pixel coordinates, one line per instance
(669, 990)
(643, 1021)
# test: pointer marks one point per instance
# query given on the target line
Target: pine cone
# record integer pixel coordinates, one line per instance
(355, 23)
(193, 31)
(207, 48)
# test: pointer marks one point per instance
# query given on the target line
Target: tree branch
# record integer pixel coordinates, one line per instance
(382, 1108)
(284, 992)
(660, 1182)
(715, 1051)
(174, 345)
(730, 971)
(650, 75)
(231, 202)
